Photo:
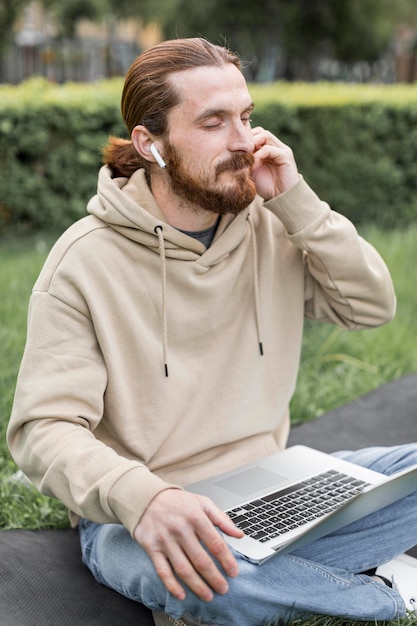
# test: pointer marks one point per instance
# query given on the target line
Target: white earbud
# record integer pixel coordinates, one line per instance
(157, 156)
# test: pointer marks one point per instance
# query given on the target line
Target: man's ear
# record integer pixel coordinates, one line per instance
(142, 141)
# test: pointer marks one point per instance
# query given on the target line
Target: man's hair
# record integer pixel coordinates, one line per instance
(149, 94)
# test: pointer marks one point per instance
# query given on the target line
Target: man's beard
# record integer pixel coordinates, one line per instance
(230, 198)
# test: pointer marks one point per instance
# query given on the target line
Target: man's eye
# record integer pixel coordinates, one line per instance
(212, 125)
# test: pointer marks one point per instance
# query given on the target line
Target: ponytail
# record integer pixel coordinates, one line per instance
(122, 158)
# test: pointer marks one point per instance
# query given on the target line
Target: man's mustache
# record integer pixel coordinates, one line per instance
(238, 161)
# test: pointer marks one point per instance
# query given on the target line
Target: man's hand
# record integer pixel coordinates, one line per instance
(275, 169)
(173, 530)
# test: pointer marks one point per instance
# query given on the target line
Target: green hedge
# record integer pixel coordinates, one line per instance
(355, 144)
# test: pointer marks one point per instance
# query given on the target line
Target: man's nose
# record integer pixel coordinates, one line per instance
(240, 139)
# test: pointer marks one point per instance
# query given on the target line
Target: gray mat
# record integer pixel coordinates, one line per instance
(386, 417)
(44, 583)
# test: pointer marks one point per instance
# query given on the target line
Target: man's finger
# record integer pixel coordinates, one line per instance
(198, 571)
(166, 574)
(195, 568)
(217, 546)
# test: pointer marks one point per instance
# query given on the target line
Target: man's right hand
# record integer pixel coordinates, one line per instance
(179, 532)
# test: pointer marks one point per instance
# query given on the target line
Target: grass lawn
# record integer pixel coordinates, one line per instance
(337, 366)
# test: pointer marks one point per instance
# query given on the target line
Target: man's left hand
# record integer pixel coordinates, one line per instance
(275, 170)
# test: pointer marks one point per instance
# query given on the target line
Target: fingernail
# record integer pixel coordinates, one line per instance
(224, 589)
(208, 597)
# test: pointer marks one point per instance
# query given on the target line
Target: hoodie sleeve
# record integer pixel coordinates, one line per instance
(58, 404)
(346, 280)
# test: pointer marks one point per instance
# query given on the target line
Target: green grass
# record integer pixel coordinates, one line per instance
(337, 366)
(20, 262)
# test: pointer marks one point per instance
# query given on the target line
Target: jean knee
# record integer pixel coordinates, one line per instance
(117, 561)
(384, 459)
(88, 532)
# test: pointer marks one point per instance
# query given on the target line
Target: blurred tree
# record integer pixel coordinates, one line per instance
(289, 36)
(253, 29)
(66, 14)
(345, 30)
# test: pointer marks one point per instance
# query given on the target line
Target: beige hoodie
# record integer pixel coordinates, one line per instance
(96, 422)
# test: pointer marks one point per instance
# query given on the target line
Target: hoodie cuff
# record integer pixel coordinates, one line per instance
(297, 207)
(132, 493)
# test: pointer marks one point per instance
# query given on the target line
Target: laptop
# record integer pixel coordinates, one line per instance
(296, 496)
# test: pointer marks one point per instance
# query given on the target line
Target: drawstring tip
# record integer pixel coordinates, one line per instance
(261, 348)
(166, 370)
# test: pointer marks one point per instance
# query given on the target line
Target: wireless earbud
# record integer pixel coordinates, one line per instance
(157, 156)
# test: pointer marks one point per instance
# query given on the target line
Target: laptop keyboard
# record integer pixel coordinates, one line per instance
(276, 513)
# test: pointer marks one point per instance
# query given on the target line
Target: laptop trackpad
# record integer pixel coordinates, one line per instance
(249, 481)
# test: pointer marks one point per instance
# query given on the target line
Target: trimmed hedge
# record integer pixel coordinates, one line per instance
(355, 144)
(50, 143)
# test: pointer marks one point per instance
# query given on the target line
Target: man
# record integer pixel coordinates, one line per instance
(163, 347)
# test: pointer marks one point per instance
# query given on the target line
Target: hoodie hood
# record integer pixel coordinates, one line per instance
(128, 207)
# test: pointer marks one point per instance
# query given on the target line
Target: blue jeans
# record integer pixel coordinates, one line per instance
(320, 578)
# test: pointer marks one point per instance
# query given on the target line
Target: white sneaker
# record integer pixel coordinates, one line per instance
(402, 571)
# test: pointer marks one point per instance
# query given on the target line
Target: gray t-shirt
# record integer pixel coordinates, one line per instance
(206, 236)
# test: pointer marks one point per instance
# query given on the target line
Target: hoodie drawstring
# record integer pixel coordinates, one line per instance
(256, 284)
(164, 325)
